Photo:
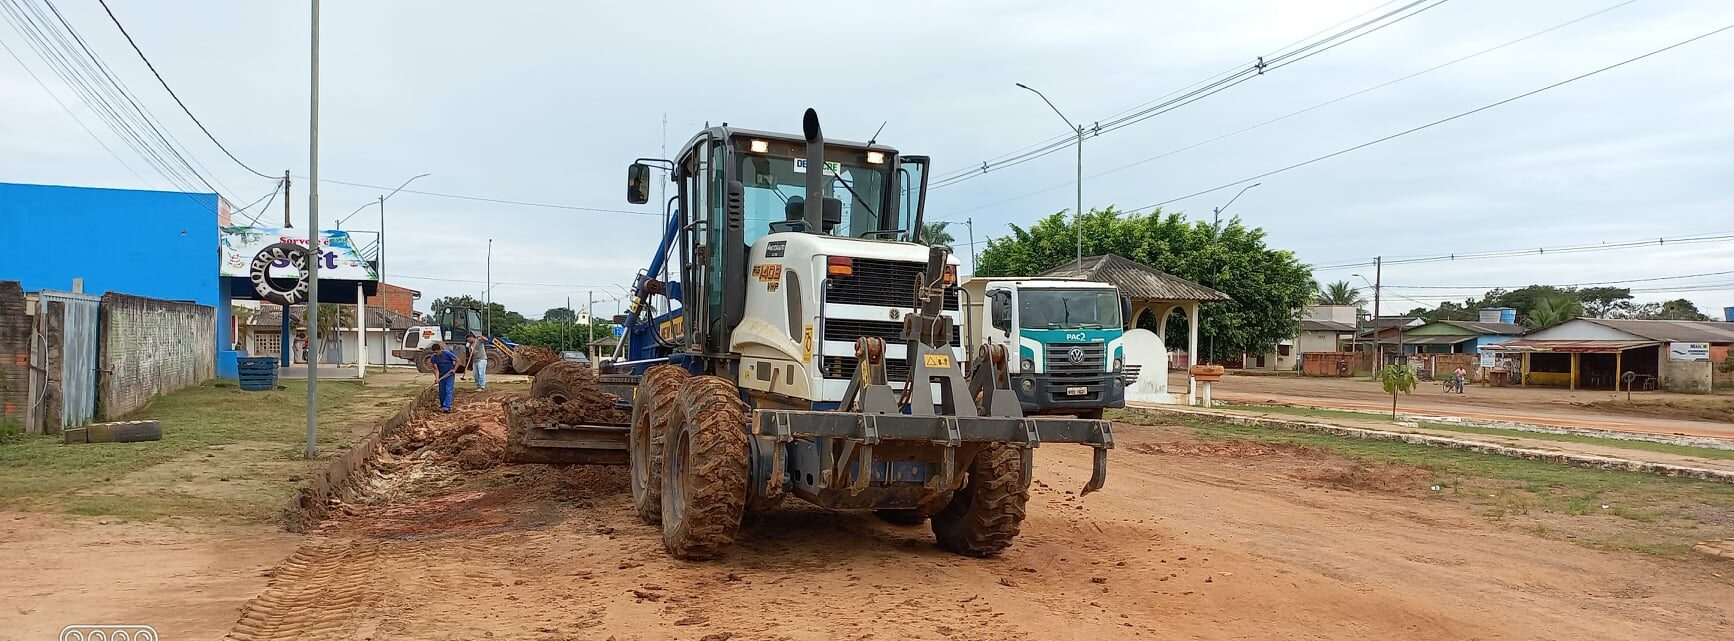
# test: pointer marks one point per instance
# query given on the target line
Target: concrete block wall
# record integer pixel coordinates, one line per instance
(151, 347)
(15, 331)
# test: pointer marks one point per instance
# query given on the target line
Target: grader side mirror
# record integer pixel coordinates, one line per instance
(1126, 312)
(638, 183)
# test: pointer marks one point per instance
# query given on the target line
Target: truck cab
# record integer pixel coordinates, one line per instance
(1065, 337)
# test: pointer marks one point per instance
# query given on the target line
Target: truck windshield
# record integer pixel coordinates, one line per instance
(772, 181)
(1068, 308)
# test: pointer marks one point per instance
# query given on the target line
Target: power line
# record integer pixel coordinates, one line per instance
(172, 93)
(1209, 87)
(1538, 251)
(69, 112)
(1436, 122)
(1292, 114)
(501, 282)
(1584, 284)
(502, 201)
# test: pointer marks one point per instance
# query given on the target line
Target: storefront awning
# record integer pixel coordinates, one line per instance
(1566, 346)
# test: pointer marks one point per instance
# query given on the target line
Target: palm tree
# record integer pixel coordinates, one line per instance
(1553, 310)
(934, 235)
(1340, 293)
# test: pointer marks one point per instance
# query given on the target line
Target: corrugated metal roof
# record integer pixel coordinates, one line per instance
(1136, 279)
(1435, 339)
(1508, 329)
(1671, 330)
(1534, 345)
(1310, 325)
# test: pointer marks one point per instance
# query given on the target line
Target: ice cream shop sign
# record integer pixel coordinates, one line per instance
(338, 259)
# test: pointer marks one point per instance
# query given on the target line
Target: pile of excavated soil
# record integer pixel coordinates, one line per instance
(536, 357)
(591, 406)
(472, 436)
(1379, 477)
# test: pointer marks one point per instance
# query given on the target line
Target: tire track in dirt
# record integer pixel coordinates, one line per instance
(317, 593)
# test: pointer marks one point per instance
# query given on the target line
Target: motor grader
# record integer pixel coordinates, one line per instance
(793, 336)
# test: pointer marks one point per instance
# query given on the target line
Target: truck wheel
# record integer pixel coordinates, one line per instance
(984, 516)
(1094, 413)
(704, 469)
(422, 364)
(653, 400)
(496, 366)
(562, 382)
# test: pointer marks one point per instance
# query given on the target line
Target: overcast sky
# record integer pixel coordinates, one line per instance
(549, 101)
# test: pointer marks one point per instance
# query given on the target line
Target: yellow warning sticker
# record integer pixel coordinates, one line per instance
(807, 345)
(936, 360)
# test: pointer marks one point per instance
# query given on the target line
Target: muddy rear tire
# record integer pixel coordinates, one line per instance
(985, 515)
(422, 363)
(653, 401)
(562, 381)
(704, 469)
(496, 365)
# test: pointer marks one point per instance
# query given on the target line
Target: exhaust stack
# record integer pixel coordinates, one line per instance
(815, 198)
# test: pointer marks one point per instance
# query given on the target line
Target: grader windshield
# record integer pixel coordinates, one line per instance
(774, 177)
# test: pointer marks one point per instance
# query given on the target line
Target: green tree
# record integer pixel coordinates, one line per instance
(1551, 311)
(1340, 293)
(1268, 286)
(560, 315)
(1605, 302)
(935, 235)
(1397, 378)
(559, 336)
(496, 316)
(1677, 309)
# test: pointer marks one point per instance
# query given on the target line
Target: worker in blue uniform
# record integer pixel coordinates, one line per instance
(447, 364)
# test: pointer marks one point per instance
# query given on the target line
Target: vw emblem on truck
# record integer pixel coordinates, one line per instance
(1075, 356)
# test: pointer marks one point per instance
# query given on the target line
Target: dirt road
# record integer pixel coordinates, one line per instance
(1536, 406)
(1187, 541)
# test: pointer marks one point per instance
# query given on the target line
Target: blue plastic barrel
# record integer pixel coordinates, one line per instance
(258, 373)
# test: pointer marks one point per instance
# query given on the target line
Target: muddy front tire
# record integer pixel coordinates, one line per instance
(985, 515)
(653, 400)
(562, 381)
(704, 469)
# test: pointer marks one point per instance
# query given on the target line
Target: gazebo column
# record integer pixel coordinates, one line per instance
(1192, 352)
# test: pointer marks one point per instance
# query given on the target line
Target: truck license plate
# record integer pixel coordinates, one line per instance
(1077, 391)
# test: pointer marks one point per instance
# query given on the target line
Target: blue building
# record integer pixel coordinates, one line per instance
(160, 244)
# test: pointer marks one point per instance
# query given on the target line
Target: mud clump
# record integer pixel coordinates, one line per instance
(590, 406)
(1377, 477)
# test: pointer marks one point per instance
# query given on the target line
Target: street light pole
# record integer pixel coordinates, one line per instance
(1078, 212)
(1216, 215)
(314, 248)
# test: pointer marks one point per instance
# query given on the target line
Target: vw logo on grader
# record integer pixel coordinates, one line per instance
(1075, 356)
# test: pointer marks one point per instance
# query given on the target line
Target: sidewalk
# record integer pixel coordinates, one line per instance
(1600, 455)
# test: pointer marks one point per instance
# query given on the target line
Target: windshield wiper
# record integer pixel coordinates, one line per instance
(858, 196)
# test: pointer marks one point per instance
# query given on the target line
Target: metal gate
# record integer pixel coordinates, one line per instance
(78, 354)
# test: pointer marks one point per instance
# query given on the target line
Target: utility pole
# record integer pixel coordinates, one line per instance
(1378, 283)
(286, 192)
(316, 250)
(488, 294)
(970, 223)
(590, 320)
(566, 341)
(663, 193)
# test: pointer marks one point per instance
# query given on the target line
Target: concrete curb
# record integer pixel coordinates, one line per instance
(1669, 439)
(1579, 460)
(312, 503)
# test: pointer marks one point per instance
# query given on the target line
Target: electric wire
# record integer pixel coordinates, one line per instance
(1292, 114)
(172, 93)
(503, 201)
(1436, 122)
